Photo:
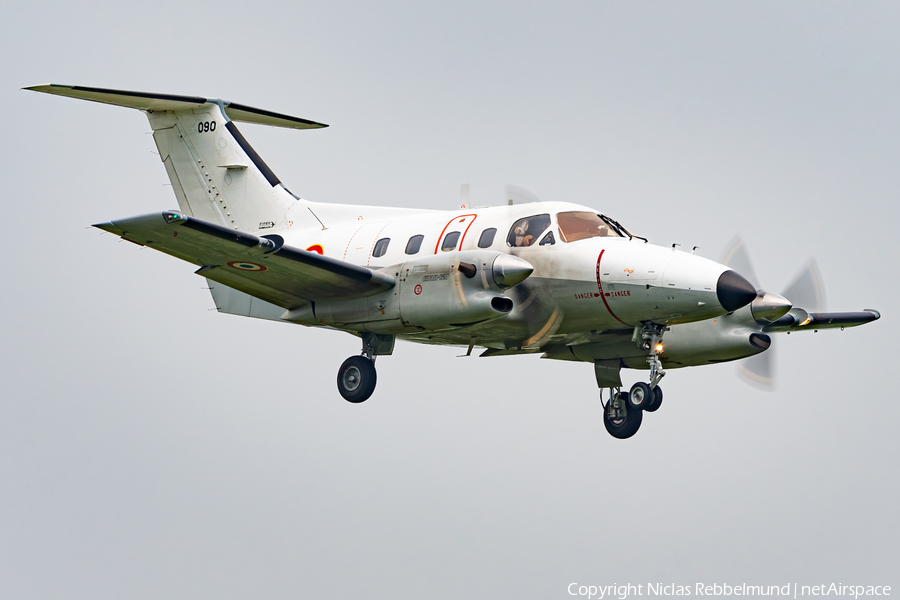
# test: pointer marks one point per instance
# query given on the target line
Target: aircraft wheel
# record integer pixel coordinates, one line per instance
(356, 379)
(657, 400)
(626, 426)
(640, 396)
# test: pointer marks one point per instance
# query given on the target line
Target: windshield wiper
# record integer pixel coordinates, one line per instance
(621, 230)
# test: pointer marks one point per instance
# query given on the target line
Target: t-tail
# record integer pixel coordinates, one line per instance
(216, 175)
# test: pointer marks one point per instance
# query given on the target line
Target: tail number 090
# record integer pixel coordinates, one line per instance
(205, 126)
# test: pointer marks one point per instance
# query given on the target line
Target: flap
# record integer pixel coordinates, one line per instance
(260, 266)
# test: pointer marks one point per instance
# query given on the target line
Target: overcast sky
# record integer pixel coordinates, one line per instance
(152, 448)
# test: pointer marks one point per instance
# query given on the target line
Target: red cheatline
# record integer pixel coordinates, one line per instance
(602, 295)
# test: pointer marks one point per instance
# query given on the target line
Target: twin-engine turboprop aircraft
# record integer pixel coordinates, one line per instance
(548, 277)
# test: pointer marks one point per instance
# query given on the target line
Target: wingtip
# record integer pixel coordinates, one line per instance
(110, 227)
(44, 87)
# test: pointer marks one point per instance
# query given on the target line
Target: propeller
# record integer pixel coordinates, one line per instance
(519, 195)
(540, 321)
(805, 292)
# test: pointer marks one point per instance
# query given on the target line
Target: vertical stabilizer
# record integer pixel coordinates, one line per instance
(216, 175)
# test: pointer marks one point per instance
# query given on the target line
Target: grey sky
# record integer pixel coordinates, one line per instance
(151, 448)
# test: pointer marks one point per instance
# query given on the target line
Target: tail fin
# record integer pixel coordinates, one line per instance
(216, 174)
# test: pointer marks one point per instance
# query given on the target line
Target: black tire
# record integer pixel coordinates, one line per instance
(356, 379)
(627, 426)
(640, 396)
(657, 400)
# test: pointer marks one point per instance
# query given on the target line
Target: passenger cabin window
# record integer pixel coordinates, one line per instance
(380, 247)
(450, 240)
(574, 226)
(414, 243)
(525, 232)
(487, 237)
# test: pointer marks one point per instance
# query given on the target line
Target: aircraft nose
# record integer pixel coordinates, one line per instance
(733, 291)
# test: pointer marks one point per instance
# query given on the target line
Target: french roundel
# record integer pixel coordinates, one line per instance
(242, 265)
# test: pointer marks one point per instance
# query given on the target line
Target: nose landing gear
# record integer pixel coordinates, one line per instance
(356, 378)
(624, 412)
(656, 401)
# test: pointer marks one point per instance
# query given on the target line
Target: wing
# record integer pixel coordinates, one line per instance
(260, 266)
(800, 320)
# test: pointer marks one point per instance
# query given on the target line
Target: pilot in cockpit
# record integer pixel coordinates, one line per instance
(521, 233)
(525, 232)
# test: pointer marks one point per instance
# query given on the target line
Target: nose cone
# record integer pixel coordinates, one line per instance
(509, 270)
(733, 291)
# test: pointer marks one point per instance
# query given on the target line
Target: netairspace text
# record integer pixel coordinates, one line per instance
(791, 590)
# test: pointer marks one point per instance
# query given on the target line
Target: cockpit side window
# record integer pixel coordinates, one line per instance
(487, 237)
(574, 226)
(525, 232)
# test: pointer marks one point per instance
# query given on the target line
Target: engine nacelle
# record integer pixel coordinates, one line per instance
(730, 337)
(441, 291)
(455, 289)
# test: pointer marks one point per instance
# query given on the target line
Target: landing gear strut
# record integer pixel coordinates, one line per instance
(649, 337)
(356, 378)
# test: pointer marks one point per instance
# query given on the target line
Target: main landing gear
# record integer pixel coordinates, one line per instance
(624, 412)
(356, 378)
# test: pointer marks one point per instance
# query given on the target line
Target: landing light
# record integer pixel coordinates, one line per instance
(659, 348)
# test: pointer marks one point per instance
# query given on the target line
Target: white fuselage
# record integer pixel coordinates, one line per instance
(577, 289)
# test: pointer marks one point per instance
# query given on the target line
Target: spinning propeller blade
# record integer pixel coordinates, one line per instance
(806, 292)
(735, 255)
(519, 195)
(758, 371)
(540, 321)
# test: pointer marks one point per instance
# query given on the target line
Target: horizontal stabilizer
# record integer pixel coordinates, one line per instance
(160, 102)
(259, 266)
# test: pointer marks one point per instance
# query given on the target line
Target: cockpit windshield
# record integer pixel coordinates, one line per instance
(575, 225)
